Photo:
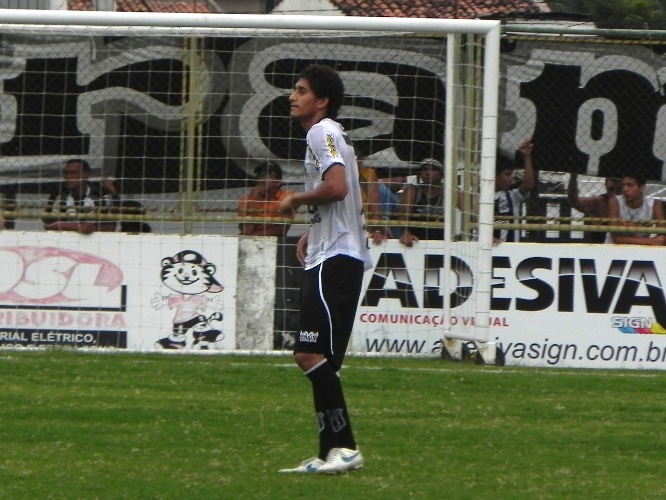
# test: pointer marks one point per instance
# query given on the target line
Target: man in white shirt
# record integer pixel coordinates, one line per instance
(634, 209)
(335, 255)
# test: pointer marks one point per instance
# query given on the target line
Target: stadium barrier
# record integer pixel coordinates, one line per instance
(563, 305)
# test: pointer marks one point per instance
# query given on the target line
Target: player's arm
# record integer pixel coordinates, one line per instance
(332, 188)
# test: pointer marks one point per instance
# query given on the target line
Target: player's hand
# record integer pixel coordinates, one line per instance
(302, 248)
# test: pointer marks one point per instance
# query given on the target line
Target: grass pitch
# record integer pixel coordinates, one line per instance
(83, 425)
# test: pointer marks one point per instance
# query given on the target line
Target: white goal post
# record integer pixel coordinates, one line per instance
(434, 94)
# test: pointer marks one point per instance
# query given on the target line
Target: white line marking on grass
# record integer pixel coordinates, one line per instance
(491, 370)
(496, 371)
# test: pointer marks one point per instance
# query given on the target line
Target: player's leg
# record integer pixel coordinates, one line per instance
(341, 286)
(325, 294)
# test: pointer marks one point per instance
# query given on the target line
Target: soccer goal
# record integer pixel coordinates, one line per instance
(177, 110)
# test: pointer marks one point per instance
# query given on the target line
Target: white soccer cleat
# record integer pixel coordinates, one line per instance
(309, 466)
(341, 460)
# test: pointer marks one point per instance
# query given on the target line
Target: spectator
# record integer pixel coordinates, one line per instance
(372, 204)
(424, 203)
(390, 191)
(77, 201)
(263, 202)
(509, 198)
(633, 208)
(593, 206)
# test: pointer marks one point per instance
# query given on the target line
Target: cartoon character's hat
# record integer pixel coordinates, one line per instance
(192, 257)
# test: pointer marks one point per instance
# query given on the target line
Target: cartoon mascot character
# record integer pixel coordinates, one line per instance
(189, 275)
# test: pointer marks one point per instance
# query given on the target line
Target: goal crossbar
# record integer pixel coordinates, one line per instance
(74, 19)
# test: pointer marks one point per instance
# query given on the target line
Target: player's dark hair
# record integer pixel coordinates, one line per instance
(267, 168)
(325, 82)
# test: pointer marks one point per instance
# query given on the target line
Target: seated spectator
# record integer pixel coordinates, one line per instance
(263, 202)
(77, 201)
(593, 206)
(635, 209)
(508, 197)
(424, 203)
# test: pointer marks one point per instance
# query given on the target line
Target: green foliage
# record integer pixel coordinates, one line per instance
(620, 14)
(629, 14)
(81, 425)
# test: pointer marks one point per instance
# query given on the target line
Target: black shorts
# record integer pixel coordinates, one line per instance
(329, 299)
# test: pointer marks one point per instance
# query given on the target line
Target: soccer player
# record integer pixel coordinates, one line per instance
(334, 253)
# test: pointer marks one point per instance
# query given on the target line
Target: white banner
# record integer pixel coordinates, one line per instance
(112, 290)
(566, 305)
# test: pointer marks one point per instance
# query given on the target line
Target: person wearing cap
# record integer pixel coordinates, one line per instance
(508, 197)
(422, 205)
(263, 202)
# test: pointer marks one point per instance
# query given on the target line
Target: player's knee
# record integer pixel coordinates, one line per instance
(307, 360)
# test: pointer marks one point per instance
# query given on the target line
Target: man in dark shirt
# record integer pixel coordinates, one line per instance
(77, 201)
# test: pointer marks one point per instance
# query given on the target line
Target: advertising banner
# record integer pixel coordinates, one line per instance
(111, 290)
(565, 305)
(596, 108)
(551, 305)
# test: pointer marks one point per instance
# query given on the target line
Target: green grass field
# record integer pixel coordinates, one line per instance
(83, 425)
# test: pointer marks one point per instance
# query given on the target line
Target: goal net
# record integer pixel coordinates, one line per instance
(175, 113)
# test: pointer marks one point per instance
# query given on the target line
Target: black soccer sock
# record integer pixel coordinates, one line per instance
(329, 402)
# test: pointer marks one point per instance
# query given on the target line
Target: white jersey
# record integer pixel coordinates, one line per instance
(337, 228)
(639, 215)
